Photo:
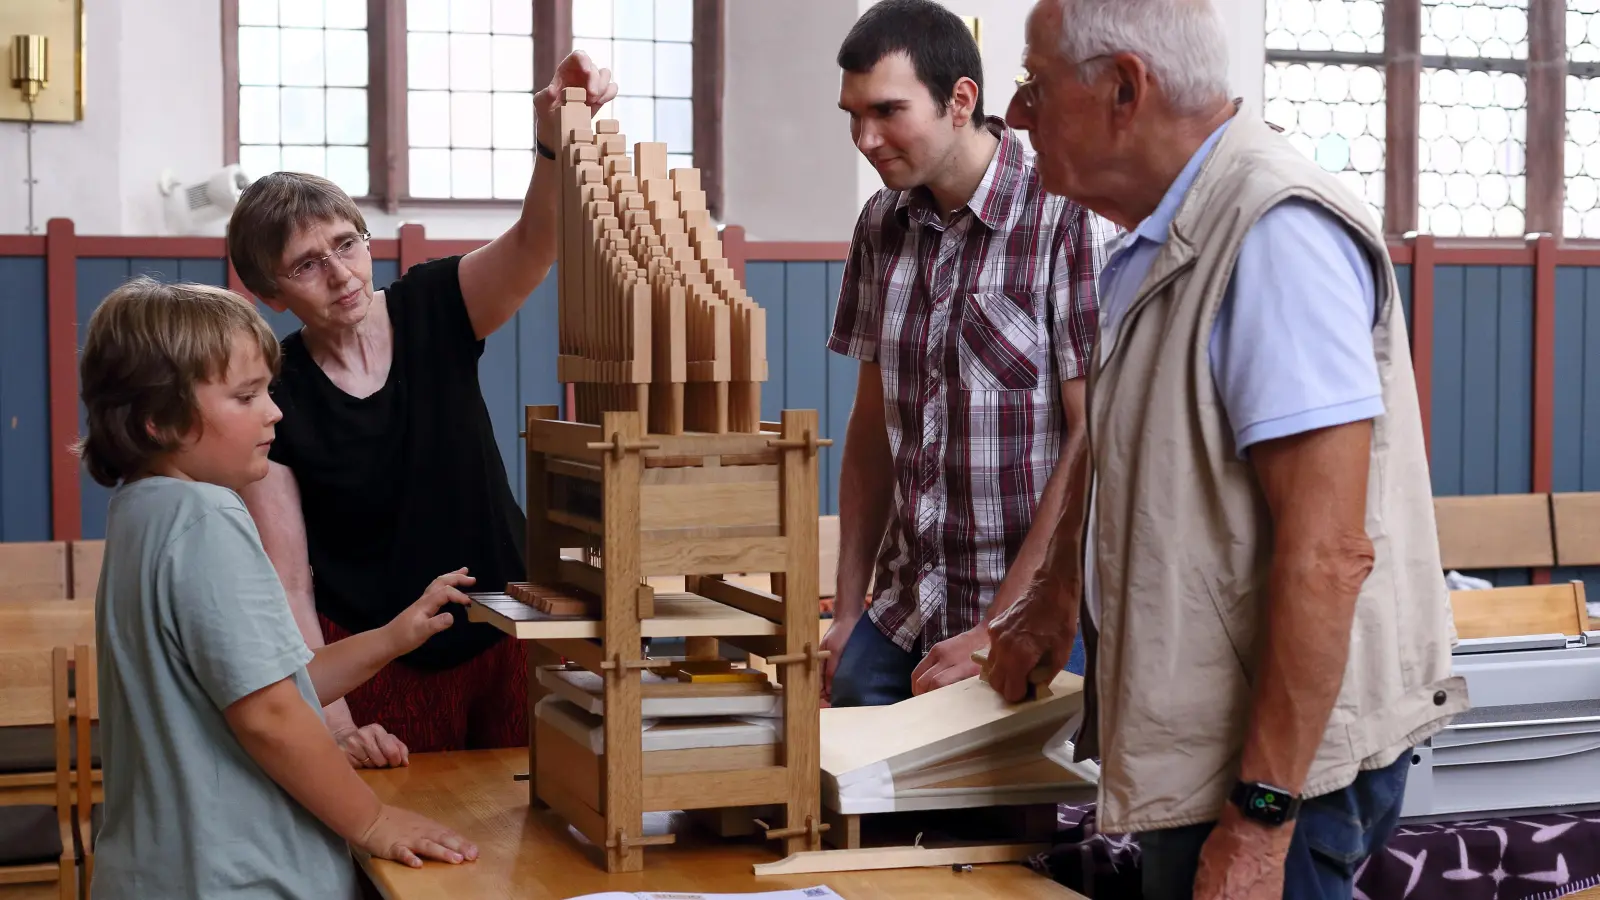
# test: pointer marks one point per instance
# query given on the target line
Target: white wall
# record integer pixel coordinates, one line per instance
(155, 103)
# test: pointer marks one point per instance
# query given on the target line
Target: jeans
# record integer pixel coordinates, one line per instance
(874, 671)
(1333, 834)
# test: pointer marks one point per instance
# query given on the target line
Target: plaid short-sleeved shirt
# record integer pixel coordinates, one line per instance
(974, 323)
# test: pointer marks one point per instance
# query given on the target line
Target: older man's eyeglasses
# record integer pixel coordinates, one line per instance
(318, 265)
(1028, 91)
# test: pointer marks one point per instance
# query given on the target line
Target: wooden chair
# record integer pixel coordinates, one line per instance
(86, 559)
(1577, 523)
(1515, 611)
(1495, 531)
(86, 712)
(33, 691)
(33, 570)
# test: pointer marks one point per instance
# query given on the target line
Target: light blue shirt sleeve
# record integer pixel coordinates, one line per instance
(1291, 349)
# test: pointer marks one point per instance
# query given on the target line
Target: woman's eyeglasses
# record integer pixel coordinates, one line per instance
(318, 265)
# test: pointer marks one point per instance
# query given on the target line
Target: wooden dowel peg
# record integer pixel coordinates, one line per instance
(809, 443)
(811, 829)
(808, 655)
(618, 446)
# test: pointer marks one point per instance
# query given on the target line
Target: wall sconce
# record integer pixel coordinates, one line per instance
(30, 65)
(42, 60)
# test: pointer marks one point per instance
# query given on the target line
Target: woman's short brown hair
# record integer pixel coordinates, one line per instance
(267, 214)
(148, 346)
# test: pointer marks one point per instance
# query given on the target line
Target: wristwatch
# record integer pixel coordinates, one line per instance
(1264, 803)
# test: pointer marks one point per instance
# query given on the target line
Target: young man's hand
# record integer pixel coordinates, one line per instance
(407, 838)
(949, 661)
(839, 630)
(423, 619)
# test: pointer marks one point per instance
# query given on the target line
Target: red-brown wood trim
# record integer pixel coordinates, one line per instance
(797, 251)
(438, 249)
(1402, 64)
(735, 249)
(1546, 249)
(1544, 362)
(1458, 252)
(1568, 254)
(1546, 90)
(709, 65)
(152, 247)
(230, 83)
(384, 248)
(413, 246)
(552, 38)
(1399, 254)
(21, 245)
(61, 333)
(387, 155)
(1422, 329)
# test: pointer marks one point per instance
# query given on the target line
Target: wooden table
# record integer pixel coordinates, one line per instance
(533, 856)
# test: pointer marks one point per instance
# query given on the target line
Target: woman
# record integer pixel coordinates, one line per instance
(385, 471)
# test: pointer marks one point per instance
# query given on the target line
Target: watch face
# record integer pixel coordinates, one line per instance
(1267, 804)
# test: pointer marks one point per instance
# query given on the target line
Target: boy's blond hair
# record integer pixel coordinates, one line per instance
(148, 346)
(269, 211)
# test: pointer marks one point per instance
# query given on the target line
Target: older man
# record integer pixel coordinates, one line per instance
(1267, 628)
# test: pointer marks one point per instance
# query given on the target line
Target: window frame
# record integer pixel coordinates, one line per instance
(388, 147)
(1545, 76)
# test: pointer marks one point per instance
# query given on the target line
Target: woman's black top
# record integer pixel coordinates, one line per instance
(405, 485)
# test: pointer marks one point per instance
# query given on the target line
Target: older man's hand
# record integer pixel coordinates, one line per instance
(1038, 629)
(1242, 860)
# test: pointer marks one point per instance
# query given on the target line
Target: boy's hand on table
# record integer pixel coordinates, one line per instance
(371, 747)
(408, 838)
(423, 619)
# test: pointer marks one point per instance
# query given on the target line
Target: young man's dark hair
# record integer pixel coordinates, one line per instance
(941, 48)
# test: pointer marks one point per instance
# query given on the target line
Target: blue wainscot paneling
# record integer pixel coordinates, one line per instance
(799, 298)
(24, 401)
(1576, 444)
(1482, 431)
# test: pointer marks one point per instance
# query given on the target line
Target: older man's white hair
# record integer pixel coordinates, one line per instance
(1181, 41)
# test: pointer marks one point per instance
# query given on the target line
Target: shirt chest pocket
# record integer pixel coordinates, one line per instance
(1001, 344)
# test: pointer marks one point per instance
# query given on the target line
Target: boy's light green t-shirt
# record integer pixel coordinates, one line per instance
(190, 617)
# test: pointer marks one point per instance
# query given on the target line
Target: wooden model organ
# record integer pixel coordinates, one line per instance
(667, 471)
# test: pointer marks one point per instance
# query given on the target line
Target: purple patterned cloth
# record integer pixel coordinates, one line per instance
(1539, 857)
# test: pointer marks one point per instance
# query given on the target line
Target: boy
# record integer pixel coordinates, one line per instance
(220, 777)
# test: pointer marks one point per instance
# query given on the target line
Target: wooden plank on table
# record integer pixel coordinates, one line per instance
(827, 555)
(1514, 611)
(1577, 525)
(939, 725)
(1494, 531)
(898, 858)
(698, 556)
(704, 790)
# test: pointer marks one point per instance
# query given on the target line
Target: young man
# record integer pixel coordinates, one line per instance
(969, 299)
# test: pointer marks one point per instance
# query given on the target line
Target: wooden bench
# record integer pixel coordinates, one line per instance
(1515, 611)
(1495, 531)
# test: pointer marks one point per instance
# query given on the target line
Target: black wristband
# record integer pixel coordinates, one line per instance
(544, 151)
